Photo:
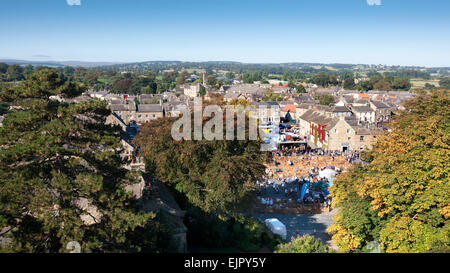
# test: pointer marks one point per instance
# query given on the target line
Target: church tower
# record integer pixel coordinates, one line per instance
(204, 79)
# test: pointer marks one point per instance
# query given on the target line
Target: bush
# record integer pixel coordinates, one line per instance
(304, 244)
(238, 231)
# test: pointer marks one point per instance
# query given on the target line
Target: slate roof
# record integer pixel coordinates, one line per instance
(379, 104)
(362, 109)
(245, 88)
(122, 107)
(341, 109)
(316, 117)
(146, 108)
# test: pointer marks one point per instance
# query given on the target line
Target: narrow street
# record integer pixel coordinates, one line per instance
(301, 224)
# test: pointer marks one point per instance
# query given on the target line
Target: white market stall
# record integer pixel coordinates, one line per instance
(276, 227)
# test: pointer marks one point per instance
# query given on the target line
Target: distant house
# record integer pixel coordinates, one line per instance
(149, 99)
(341, 133)
(234, 96)
(303, 99)
(364, 114)
(97, 94)
(382, 111)
(175, 109)
(343, 136)
(147, 112)
(192, 91)
(341, 111)
(292, 109)
(125, 112)
(267, 112)
(361, 102)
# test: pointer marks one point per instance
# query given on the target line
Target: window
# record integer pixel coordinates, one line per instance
(361, 138)
(139, 116)
(335, 130)
(348, 131)
(154, 115)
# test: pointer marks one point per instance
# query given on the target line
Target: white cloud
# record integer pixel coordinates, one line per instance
(74, 2)
(373, 2)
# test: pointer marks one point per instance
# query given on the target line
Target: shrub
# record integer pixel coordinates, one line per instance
(304, 244)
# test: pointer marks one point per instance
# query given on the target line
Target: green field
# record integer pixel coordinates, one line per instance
(103, 80)
(421, 83)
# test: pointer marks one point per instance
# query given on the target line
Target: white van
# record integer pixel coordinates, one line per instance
(276, 227)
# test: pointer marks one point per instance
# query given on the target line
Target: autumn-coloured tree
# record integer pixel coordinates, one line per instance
(402, 198)
(237, 102)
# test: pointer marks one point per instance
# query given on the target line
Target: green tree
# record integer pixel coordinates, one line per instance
(429, 86)
(211, 80)
(301, 89)
(14, 73)
(322, 79)
(349, 84)
(291, 84)
(3, 68)
(80, 74)
(325, 99)
(334, 80)
(445, 83)
(202, 92)
(168, 78)
(123, 85)
(230, 75)
(401, 84)
(181, 79)
(216, 176)
(4, 107)
(92, 76)
(304, 244)
(364, 86)
(59, 166)
(382, 85)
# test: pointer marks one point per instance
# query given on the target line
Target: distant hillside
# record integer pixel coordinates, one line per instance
(237, 67)
(57, 63)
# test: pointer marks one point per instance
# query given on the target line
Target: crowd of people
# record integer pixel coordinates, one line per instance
(282, 191)
(292, 167)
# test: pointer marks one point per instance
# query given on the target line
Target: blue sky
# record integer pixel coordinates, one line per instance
(393, 32)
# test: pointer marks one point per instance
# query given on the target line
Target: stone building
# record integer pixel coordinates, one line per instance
(192, 91)
(147, 112)
(126, 112)
(364, 114)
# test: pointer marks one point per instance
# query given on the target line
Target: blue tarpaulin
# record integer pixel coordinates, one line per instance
(304, 190)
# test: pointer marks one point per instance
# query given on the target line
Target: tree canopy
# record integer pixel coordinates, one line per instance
(445, 83)
(401, 199)
(61, 177)
(303, 244)
(217, 176)
(325, 99)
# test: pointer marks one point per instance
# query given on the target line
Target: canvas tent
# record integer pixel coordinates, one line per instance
(328, 174)
(276, 227)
